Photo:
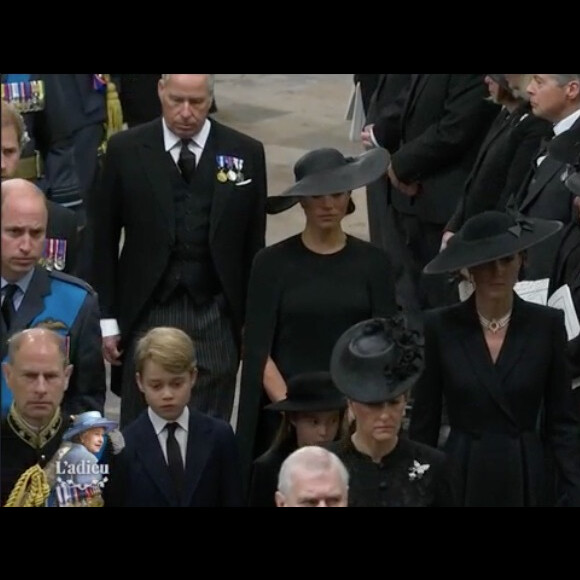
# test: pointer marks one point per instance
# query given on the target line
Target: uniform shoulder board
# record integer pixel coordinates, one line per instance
(72, 280)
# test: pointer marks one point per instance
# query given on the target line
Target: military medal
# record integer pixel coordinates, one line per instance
(60, 257)
(239, 166)
(50, 254)
(221, 174)
(231, 173)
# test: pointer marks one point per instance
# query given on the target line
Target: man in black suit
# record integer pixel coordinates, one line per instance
(190, 194)
(61, 232)
(383, 103)
(438, 132)
(35, 297)
(544, 194)
(567, 264)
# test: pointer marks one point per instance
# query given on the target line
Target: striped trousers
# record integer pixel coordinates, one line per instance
(217, 355)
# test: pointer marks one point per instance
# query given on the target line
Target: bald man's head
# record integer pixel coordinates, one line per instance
(24, 220)
(37, 374)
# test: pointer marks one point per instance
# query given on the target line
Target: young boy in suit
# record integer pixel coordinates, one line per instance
(174, 456)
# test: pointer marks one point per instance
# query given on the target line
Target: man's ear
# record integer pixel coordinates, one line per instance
(67, 374)
(7, 370)
(280, 499)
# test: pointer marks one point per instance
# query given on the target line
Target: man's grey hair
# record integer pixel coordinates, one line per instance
(16, 341)
(565, 79)
(210, 82)
(312, 459)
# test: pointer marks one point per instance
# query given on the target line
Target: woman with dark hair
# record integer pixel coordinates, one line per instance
(506, 154)
(374, 364)
(313, 413)
(305, 291)
(500, 365)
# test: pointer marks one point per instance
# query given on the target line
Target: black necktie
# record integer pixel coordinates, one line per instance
(174, 459)
(186, 162)
(8, 310)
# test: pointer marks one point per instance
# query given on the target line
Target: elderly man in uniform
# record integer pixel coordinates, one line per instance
(37, 374)
(33, 296)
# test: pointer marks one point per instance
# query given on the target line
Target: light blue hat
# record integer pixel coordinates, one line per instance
(88, 420)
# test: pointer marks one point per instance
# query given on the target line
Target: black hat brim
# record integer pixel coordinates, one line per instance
(364, 169)
(461, 254)
(287, 405)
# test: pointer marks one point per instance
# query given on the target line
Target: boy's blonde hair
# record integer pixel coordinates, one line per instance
(170, 348)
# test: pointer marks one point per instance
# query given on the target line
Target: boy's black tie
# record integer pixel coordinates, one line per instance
(174, 459)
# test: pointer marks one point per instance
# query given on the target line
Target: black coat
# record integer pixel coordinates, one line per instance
(368, 84)
(544, 195)
(567, 271)
(265, 471)
(391, 483)
(503, 416)
(442, 124)
(139, 98)
(502, 164)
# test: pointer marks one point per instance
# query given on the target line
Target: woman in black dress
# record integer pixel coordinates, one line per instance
(313, 413)
(305, 291)
(500, 365)
(374, 364)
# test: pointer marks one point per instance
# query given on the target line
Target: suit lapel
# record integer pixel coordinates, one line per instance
(222, 192)
(149, 452)
(543, 174)
(33, 302)
(196, 457)
(515, 340)
(159, 168)
(499, 126)
(475, 348)
(418, 83)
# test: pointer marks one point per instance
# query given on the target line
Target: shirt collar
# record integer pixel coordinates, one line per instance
(23, 283)
(566, 123)
(159, 423)
(170, 139)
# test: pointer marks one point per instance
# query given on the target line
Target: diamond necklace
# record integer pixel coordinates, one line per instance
(495, 324)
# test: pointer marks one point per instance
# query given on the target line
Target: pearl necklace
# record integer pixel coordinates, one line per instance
(494, 325)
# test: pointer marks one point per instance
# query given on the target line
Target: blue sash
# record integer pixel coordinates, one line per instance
(61, 305)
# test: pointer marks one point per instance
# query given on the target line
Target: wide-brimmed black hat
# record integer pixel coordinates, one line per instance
(490, 236)
(566, 147)
(310, 392)
(376, 360)
(326, 171)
